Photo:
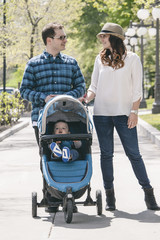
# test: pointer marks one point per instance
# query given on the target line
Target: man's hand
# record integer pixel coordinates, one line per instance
(81, 99)
(49, 97)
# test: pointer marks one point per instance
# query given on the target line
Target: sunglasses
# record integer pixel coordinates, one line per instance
(62, 38)
(103, 36)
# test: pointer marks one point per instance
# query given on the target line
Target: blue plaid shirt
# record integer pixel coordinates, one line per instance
(45, 75)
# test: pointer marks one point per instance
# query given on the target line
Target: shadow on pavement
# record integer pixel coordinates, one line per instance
(85, 221)
(147, 216)
(80, 221)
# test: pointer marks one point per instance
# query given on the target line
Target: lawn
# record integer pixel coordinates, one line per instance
(153, 119)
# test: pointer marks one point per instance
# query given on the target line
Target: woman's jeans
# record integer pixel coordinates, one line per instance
(105, 131)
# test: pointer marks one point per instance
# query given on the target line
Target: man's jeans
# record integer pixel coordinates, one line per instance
(105, 130)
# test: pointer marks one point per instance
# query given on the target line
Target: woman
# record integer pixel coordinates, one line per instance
(116, 86)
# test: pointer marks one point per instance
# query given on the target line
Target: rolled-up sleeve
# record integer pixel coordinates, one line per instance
(95, 76)
(27, 89)
(137, 76)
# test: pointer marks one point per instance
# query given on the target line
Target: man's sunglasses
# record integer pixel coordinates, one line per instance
(61, 37)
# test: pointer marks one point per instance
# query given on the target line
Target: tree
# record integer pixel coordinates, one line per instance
(84, 30)
(92, 16)
(24, 22)
(31, 19)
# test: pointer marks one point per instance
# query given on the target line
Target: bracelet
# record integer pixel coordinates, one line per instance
(134, 111)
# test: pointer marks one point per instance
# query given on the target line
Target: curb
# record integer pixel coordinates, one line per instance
(24, 122)
(150, 132)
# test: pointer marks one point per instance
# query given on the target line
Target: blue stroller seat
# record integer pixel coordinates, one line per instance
(73, 172)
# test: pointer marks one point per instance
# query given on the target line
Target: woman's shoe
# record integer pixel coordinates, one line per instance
(110, 200)
(150, 199)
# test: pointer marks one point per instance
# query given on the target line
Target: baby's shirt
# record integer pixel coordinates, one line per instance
(70, 144)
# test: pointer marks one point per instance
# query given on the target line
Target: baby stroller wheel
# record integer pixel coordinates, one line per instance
(68, 211)
(34, 204)
(99, 202)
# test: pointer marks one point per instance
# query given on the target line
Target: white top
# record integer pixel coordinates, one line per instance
(116, 89)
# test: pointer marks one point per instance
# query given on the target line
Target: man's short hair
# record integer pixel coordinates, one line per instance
(49, 31)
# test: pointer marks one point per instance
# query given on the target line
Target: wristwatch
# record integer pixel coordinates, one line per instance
(134, 111)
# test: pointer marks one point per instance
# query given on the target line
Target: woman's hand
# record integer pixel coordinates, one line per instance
(90, 96)
(133, 117)
(132, 120)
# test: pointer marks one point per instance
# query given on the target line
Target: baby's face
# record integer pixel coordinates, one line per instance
(61, 128)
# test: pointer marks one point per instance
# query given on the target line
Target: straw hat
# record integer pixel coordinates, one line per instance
(112, 29)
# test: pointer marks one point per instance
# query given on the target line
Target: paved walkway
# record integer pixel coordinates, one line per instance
(20, 175)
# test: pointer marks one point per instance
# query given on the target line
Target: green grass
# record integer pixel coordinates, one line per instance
(153, 119)
(14, 78)
(149, 103)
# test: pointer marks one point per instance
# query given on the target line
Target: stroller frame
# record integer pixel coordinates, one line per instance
(64, 199)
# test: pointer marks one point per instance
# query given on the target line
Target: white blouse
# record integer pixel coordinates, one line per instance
(116, 89)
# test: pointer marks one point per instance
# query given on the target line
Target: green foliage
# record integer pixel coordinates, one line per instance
(150, 61)
(15, 78)
(85, 29)
(92, 16)
(121, 12)
(21, 35)
(150, 103)
(11, 108)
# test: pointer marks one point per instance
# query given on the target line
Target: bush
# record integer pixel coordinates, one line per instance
(11, 107)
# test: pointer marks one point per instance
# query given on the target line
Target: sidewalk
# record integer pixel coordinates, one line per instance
(22, 123)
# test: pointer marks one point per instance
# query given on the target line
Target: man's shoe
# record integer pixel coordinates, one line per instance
(55, 150)
(75, 209)
(51, 209)
(65, 154)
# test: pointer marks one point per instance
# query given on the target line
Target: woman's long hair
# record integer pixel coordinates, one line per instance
(114, 59)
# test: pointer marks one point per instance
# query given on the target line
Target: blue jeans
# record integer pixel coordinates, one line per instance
(105, 130)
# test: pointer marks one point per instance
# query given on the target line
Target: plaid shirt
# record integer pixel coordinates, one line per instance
(45, 75)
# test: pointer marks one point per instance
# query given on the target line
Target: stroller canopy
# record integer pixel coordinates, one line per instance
(63, 107)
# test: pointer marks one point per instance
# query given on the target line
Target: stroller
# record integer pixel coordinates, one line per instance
(63, 183)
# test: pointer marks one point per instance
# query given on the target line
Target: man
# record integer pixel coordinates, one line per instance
(51, 73)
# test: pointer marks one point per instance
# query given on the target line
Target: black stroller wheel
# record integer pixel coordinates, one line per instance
(34, 204)
(68, 212)
(99, 202)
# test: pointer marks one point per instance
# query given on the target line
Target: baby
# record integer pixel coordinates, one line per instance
(64, 149)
